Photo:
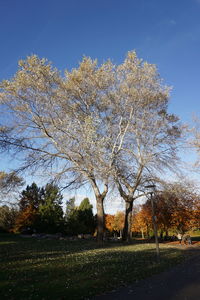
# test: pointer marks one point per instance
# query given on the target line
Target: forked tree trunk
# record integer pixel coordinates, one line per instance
(127, 236)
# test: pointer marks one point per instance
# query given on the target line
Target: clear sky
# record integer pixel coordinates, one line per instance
(164, 32)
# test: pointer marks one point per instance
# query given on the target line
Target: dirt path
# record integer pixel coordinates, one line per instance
(179, 283)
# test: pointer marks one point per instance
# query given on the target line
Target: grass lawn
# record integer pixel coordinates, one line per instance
(60, 269)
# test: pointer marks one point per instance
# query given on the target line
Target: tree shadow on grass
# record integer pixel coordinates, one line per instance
(55, 273)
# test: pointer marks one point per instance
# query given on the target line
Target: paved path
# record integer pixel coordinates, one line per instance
(179, 283)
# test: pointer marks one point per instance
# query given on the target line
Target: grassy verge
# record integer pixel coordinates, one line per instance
(49, 269)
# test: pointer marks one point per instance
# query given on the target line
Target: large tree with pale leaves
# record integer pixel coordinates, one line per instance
(85, 126)
(58, 122)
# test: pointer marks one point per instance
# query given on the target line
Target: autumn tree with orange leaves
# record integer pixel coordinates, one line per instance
(142, 221)
(109, 222)
(115, 223)
(25, 219)
(177, 208)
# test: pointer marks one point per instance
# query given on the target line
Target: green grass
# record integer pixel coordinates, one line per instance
(49, 269)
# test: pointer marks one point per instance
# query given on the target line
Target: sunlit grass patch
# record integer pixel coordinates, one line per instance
(49, 269)
(7, 242)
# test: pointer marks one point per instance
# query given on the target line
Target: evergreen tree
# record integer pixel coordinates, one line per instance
(85, 205)
(79, 219)
(29, 202)
(50, 211)
(70, 207)
(86, 217)
(31, 196)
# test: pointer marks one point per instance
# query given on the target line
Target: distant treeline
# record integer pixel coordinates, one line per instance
(39, 210)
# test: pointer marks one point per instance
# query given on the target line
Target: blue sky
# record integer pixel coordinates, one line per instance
(166, 33)
(163, 32)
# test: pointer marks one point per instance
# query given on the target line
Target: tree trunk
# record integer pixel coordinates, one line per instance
(100, 209)
(100, 220)
(128, 222)
(142, 233)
